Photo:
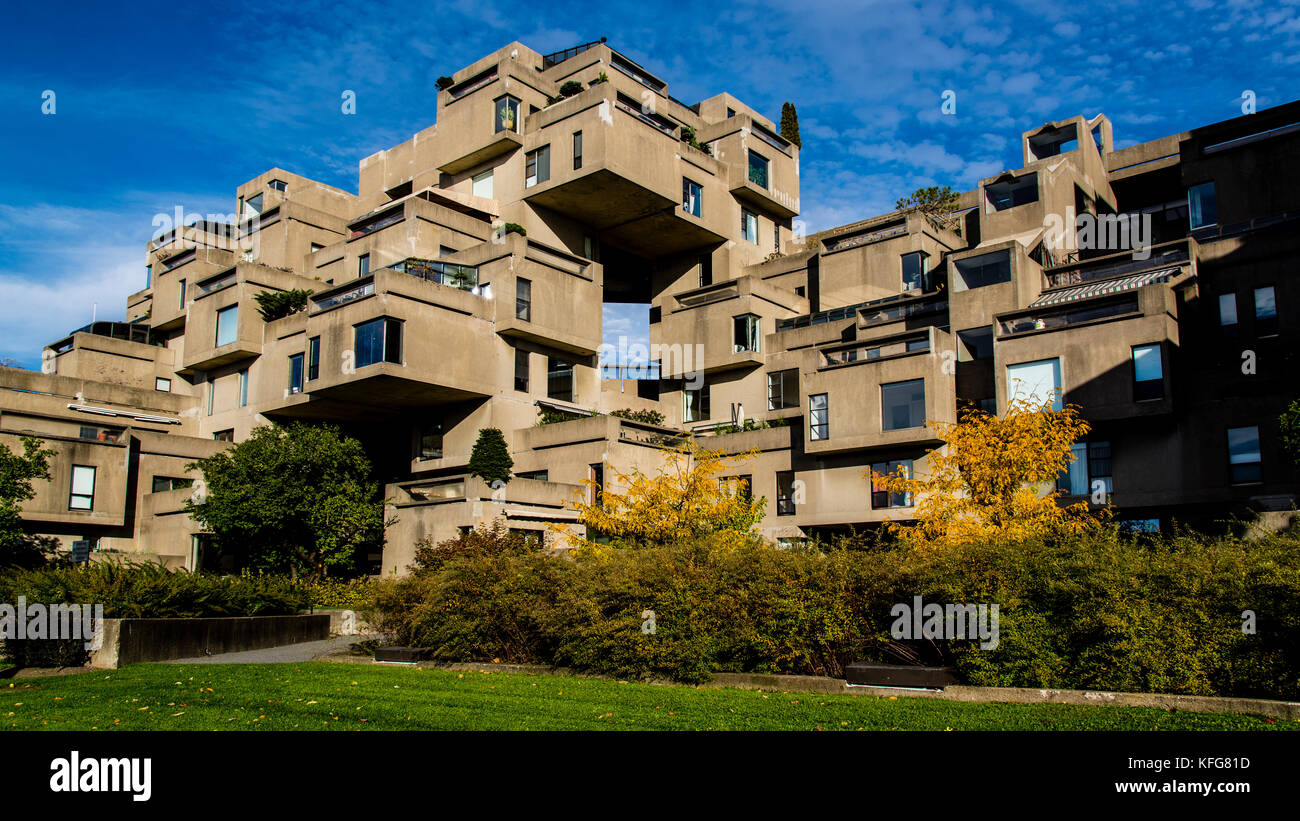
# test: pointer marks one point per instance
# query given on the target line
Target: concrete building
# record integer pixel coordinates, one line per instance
(461, 288)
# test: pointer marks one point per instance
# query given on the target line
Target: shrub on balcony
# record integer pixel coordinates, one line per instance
(273, 305)
(688, 137)
(490, 460)
(649, 417)
(514, 228)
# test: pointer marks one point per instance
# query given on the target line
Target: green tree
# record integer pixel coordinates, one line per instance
(490, 459)
(1289, 425)
(16, 476)
(273, 305)
(932, 201)
(298, 498)
(790, 124)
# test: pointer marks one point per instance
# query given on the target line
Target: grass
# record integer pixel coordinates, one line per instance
(335, 696)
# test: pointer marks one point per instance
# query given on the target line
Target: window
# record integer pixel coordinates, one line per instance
(577, 150)
(914, 271)
(243, 388)
(482, 184)
(820, 421)
(1265, 311)
(162, 484)
(252, 207)
(181, 306)
(596, 473)
(212, 395)
(1011, 193)
(162, 383)
(1036, 383)
(524, 299)
(882, 498)
(983, 270)
(1228, 312)
(81, 495)
(758, 168)
(521, 370)
(363, 265)
(706, 270)
(745, 333)
(379, 340)
(731, 112)
(535, 475)
(431, 440)
(590, 248)
(692, 196)
(507, 115)
(1201, 208)
(975, 344)
(738, 486)
(316, 246)
(695, 404)
(785, 504)
(537, 166)
(148, 276)
(559, 379)
(1148, 373)
(277, 185)
(313, 358)
(783, 389)
(1089, 464)
(109, 435)
(227, 325)
(749, 225)
(902, 404)
(1243, 455)
(227, 435)
(295, 373)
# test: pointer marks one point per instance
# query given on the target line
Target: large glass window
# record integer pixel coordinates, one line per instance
(295, 373)
(482, 184)
(1012, 193)
(243, 388)
(507, 115)
(983, 270)
(819, 413)
(379, 340)
(524, 299)
(695, 404)
(783, 389)
(431, 440)
(1089, 463)
(902, 404)
(559, 379)
(1036, 383)
(1228, 311)
(1148, 373)
(882, 498)
(537, 166)
(227, 325)
(914, 271)
(758, 169)
(1244, 463)
(749, 225)
(746, 331)
(81, 495)
(1201, 208)
(1265, 311)
(692, 196)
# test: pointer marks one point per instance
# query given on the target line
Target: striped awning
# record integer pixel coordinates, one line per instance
(1089, 290)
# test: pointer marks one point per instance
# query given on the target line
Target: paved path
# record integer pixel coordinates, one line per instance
(285, 654)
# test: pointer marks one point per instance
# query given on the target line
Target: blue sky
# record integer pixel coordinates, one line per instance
(166, 105)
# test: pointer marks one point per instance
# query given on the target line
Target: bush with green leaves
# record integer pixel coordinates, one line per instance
(17, 472)
(273, 305)
(649, 417)
(1288, 425)
(1105, 612)
(490, 459)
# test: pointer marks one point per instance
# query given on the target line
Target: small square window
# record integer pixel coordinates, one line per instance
(162, 383)
(277, 185)
(82, 492)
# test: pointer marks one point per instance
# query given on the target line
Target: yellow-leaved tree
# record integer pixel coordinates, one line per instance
(995, 478)
(684, 499)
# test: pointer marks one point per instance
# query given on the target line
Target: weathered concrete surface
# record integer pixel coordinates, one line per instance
(287, 654)
(127, 641)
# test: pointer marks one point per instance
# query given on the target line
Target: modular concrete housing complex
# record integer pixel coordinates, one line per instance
(432, 316)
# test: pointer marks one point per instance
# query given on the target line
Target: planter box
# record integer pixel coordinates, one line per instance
(127, 641)
(899, 675)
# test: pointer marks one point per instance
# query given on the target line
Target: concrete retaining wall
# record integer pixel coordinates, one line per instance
(127, 641)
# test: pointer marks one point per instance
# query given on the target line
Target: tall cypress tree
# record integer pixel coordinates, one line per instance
(490, 458)
(790, 124)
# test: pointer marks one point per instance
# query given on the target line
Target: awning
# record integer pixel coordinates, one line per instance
(1089, 290)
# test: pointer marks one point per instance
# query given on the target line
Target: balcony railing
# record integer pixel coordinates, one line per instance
(464, 277)
(1075, 272)
(841, 244)
(360, 230)
(903, 311)
(1054, 320)
(356, 292)
(628, 108)
(224, 281)
(555, 58)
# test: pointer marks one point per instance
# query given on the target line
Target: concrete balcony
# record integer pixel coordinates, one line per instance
(563, 305)
(629, 186)
(223, 325)
(767, 182)
(853, 376)
(704, 320)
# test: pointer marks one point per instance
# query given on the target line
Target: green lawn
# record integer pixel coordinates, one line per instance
(326, 695)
